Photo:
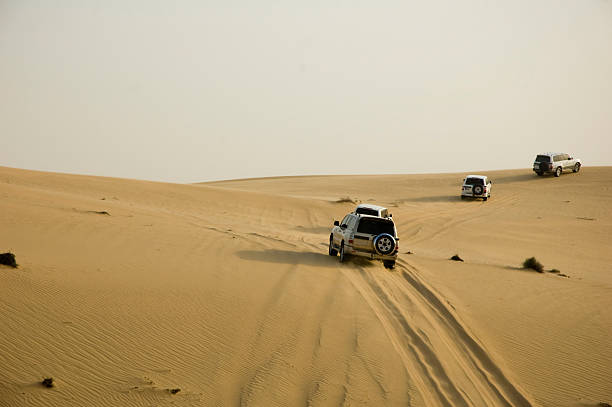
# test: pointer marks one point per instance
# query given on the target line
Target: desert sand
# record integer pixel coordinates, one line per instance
(127, 289)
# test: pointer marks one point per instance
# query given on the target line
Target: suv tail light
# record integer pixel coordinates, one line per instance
(350, 241)
(550, 166)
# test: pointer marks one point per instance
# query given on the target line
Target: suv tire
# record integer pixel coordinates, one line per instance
(342, 255)
(477, 189)
(540, 173)
(384, 244)
(485, 198)
(389, 264)
(576, 167)
(332, 251)
(558, 172)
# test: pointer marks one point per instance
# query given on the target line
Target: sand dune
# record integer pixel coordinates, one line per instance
(128, 289)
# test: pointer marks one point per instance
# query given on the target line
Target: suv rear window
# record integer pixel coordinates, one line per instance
(367, 211)
(376, 226)
(474, 181)
(543, 159)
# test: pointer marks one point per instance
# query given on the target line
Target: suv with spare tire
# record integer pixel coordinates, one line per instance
(476, 186)
(555, 163)
(367, 236)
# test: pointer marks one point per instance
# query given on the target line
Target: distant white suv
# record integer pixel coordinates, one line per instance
(366, 236)
(555, 163)
(374, 210)
(476, 186)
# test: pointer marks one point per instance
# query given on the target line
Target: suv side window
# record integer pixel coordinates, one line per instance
(345, 220)
(351, 222)
(557, 158)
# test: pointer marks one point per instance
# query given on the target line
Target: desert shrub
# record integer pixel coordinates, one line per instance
(345, 199)
(174, 391)
(47, 382)
(554, 271)
(533, 264)
(8, 259)
(456, 258)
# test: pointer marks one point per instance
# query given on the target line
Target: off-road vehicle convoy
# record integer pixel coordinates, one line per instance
(555, 163)
(476, 186)
(369, 231)
(367, 236)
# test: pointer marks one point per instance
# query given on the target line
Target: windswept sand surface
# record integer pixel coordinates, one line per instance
(127, 289)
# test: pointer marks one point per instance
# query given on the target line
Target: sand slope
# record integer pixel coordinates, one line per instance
(225, 291)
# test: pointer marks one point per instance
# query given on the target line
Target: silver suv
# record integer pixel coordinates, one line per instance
(555, 163)
(365, 236)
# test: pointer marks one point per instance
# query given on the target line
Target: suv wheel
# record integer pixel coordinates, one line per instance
(576, 167)
(558, 172)
(384, 243)
(540, 173)
(485, 198)
(332, 251)
(477, 189)
(342, 255)
(389, 264)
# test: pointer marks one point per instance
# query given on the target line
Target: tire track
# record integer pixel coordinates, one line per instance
(453, 217)
(494, 379)
(452, 369)
(420, 362)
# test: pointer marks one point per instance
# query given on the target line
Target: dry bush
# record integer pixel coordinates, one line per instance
(8, 259)
(533, 264)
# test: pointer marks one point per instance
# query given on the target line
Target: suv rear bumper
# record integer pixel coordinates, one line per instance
(370, 255)
(473, 195)
(544, 171)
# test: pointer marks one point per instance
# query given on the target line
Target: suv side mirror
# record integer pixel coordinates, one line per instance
(390, 215)
(336, 223)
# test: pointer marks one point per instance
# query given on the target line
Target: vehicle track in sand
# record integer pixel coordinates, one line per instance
(447, 364)
(435, 222)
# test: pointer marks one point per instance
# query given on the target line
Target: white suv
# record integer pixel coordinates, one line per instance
(366, 236)
(555, 163)
(476, 186)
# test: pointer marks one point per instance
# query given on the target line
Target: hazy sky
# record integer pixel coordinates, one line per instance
(201, 90)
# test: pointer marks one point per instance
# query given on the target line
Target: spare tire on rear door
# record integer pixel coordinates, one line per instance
(384, 244)
(477, 189)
